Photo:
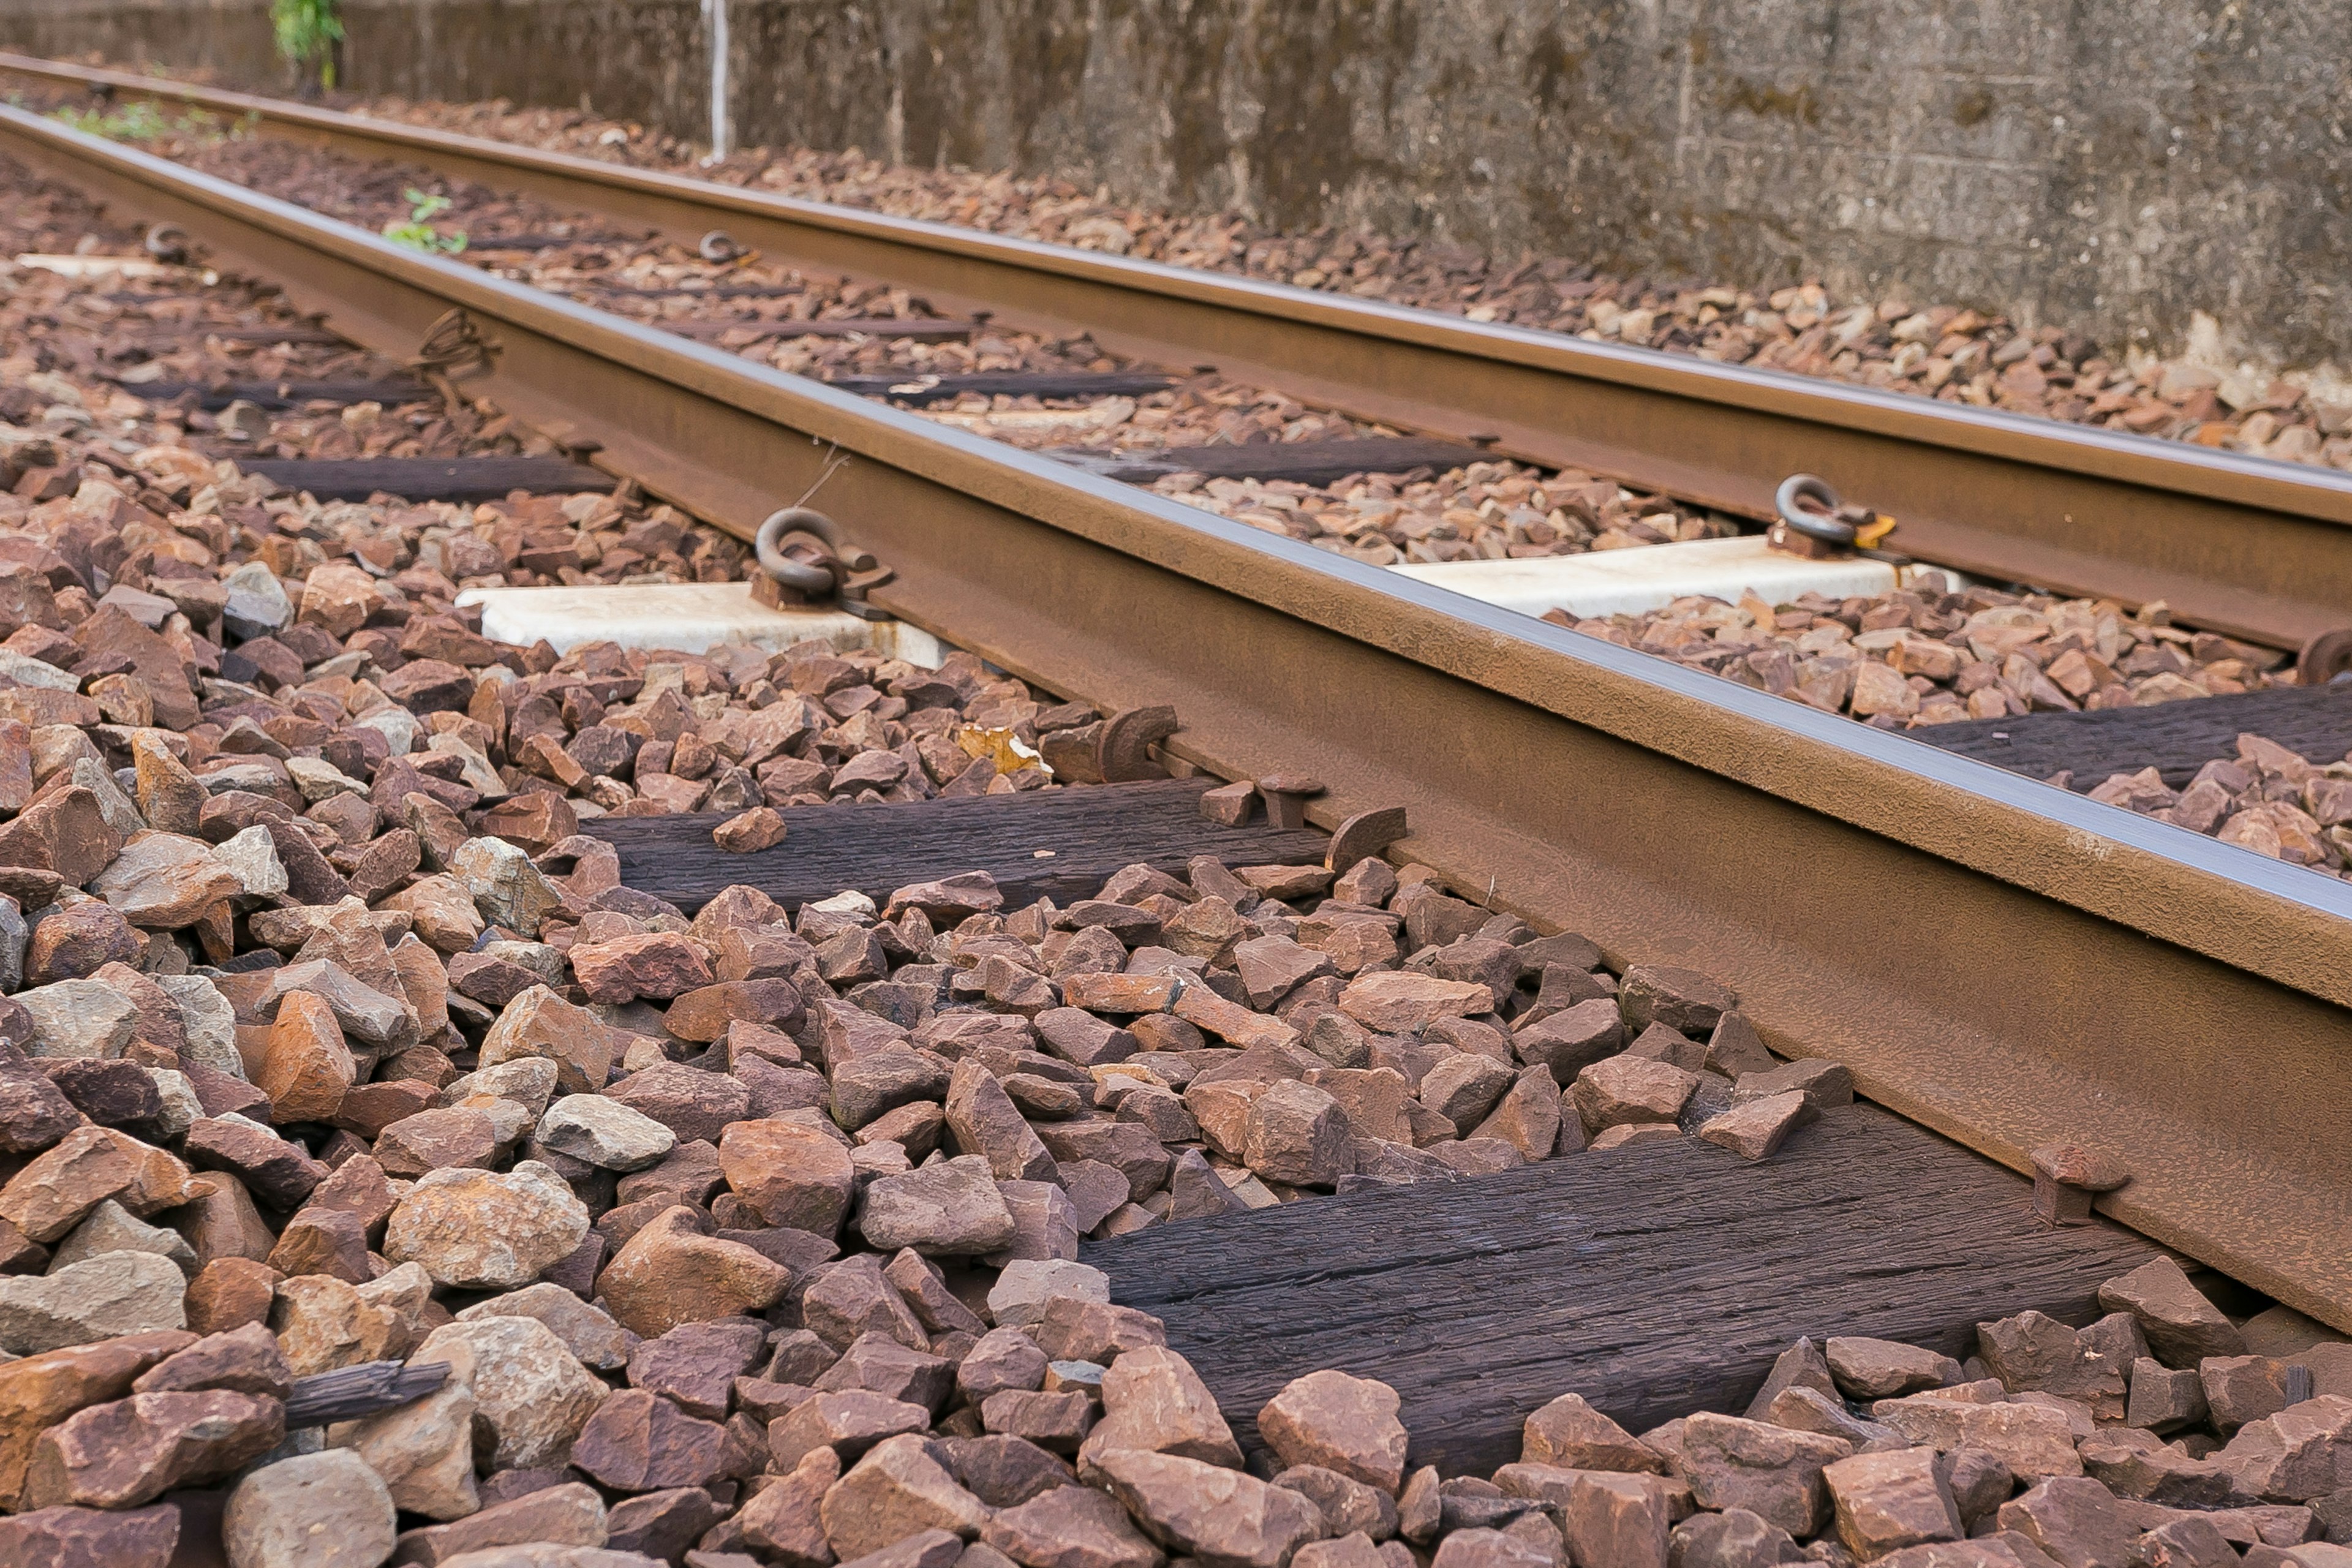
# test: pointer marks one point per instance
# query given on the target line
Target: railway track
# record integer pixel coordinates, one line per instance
(1181, 1031)
(1705, 824)
(2248, 547)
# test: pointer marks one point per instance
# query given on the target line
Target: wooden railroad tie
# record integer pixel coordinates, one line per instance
(281, 395)
(1068, 384)
(430, 479)
(1304, 462)
(1091, 833)
(1654, 1280)
(912, 329)
(2174, 738)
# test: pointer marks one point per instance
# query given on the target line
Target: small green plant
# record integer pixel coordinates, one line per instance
(138, 120)
(308, 32)
(419, 232)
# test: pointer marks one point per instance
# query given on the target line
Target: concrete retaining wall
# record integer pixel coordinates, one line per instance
(2109, 163)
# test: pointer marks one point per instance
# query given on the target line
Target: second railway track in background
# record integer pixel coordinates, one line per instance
(2006, 962)
(2248, 547)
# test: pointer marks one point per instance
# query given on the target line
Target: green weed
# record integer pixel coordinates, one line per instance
(420, 233)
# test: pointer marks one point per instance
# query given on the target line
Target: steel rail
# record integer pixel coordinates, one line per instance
(2005, 962)
(2255, 548)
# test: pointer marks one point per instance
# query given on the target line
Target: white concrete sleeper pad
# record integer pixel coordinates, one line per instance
(1633, 582)
(685, 617)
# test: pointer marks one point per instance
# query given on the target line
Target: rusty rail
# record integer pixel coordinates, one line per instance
(2005, 962)
(2254, 548)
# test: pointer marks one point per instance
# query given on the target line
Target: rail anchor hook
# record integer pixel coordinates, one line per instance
(1813, 523)
(804, 561)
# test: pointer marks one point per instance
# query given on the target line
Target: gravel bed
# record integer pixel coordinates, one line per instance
(2271, 800)
(1494, 510)
(1916, 658)
(1951, 351)
(380, 1178)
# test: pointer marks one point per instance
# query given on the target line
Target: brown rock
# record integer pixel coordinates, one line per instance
(1627, 1091)
(2239, 1389)
(1770, 1471)
(696, 1364)
(784, 1518)
(76, 942)
(243, 1360)
(1570, 1434)
(455, 1137)
(1886, 1369)
(2032, 1351)
(541, 1024)
(1070, 1527)
(65, 831)
(1328, 1420)
(1394, 1001)
(658, 965)
(706, 1012)
(1153, 1401)
(1824, 1084)
(305, 1067)
(639, 1442)
(2075, 1520)
(1221, 1516)
(1349, 1507)
(1297, 1134)
(1479, 1546)
(50, 1195)
(668, 1274)
(280, 1171)
(2031, 1440)
(37, 1392)
(2163, 1399)
(1618, 1519)
(131, 1452)
(229, 1293)
(570, 1514)
(1073, 1328)
(1732, 1539)
(1056, 1422)
(896, 1490)
(1887, 1501)
(1568, 1041)
(1680, 999)
(481, 1229)
(2302, 1453)
(162, 881)
(854, 1296)
(324, 1241)
(2182, 1326)
(1758, 1128)
(947, 1208)
(761, 828)
(846, 1423)
(34, 1115)
(791, 1174)
(91, 1538)
(982, 1120)
(1527, 1117)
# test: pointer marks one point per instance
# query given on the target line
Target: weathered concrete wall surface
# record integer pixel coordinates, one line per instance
(2111, 163)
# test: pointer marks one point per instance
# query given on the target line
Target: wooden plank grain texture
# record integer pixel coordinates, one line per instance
(430, 479)
(281, 395)
(1305, 462)
(1092, 831)
(2174, 738)
(1072, 384)
(1655, 1281)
